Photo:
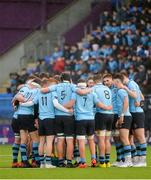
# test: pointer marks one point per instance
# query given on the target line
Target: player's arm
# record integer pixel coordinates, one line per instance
(99, 104)
(130, 92)
(58, 106)
(45, 90)
(83, 91)
(71, 103)
(140, 102)
(19, 97)
(27, 104)
(48, 89)
(30, 102)
(103, 106)
(125, 107)
(125, 104)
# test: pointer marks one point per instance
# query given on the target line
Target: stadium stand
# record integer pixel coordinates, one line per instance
(120, 42)
(33, 15)
(92, 20)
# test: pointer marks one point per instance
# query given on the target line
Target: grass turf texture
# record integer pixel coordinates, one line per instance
(6, 172)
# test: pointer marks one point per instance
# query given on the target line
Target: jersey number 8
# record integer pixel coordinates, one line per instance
(107, 95)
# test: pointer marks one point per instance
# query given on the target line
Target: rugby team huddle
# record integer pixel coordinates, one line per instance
(53, 118)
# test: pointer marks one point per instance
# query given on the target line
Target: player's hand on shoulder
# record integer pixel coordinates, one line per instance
(125, 87)
(137, 104)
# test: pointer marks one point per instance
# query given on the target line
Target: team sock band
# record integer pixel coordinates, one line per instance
(127, 151)
(35, 151)
(107, 158)
(102, 159)
(133, 151)
(23, 151)
(15, 151)
(143, 149)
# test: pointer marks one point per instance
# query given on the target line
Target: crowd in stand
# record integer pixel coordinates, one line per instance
(122, 42)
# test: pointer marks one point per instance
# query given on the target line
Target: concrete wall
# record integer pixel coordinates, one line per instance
(69, 18)
(42, 42)
(10, 62)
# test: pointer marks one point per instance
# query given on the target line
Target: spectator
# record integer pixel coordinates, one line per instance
(59, 65)
(23, 76)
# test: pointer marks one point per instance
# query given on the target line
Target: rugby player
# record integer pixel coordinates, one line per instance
(26, 121)
(124, 120)
(47, 103)
(85, 123)
(103, 122)
(138, 119)
(108, 81)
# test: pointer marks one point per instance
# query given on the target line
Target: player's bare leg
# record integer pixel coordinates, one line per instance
(15, 151)
(49, 147)
(23, 148)
(139, 134)
(124, 137)
(92, 150)
(101, 146)
(69, 151)
(35, 143)
(81, 144)
(41, 151)
(107, 148)
(60, 150)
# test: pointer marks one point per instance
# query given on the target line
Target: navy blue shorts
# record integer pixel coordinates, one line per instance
(46, 127)
(85, 127)
(103, 121)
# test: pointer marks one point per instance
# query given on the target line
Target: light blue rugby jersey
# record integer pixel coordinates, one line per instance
(28, 94)
(84, 106)
(105, 96)
(64, 93)
(114, 99)
(121, 94)
(46, 107)
(132, 85)
(15, 115)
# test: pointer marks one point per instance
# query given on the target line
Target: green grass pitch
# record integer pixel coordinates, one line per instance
(6, 172)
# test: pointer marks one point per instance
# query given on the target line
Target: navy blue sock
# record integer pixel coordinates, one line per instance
(23, 151)
(138, 149)
(119, 149)
(61, 161)
(48, 159)
(35, 151)
(82, 160)
(69, 161)
(133, 151)
(143, 149)
(15, 151)
(102, 159)
(42, 159)
(107, 158)
(127, 151)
